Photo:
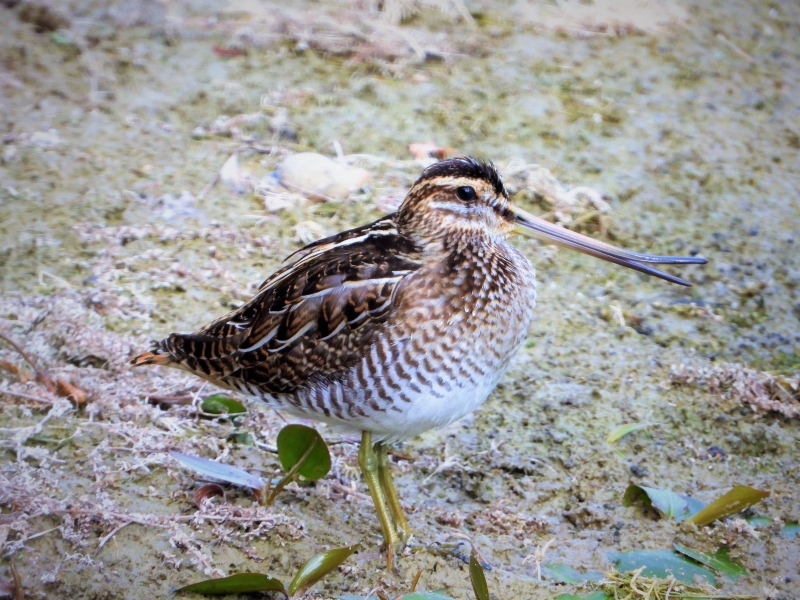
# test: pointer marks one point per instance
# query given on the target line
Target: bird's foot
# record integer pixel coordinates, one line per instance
(393, 552)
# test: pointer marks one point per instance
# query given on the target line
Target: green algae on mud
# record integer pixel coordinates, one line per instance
(101, 252)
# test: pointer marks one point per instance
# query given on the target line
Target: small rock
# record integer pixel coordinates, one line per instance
(9, 154)
(319, 177)
(46, 139)
(232, 175)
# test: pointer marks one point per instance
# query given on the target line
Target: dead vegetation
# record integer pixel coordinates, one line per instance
(358, 34)
(88, 473)
(119, 435)
(634, 585)
(760, 390)
(602, 17)
(579, 208)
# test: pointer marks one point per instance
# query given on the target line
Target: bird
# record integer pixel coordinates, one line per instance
(395, 327)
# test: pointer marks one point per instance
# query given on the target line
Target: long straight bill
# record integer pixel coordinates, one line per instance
(537, 227)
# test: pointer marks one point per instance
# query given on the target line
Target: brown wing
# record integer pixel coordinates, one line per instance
(310, 320)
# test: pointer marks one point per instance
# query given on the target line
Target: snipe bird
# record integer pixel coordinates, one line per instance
(394, 327)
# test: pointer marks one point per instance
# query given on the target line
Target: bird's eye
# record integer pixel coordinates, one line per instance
(466, 193)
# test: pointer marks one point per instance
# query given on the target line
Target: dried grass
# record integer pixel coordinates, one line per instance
(602, 17)
(762, 391)
(634, 585)
(574, 208)
(67, 334)
(357, 34)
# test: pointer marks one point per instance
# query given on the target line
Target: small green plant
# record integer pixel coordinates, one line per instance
(314, 569)
(302, 453)
(220, 404)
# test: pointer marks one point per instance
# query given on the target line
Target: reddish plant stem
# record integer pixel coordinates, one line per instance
(40, 375)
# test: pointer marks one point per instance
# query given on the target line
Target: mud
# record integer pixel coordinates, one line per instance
(112, 235)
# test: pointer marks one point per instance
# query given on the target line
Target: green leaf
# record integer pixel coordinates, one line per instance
(661, 564)
(241, 437)
(738, 499)
(668, 504)
(241, 583)
(719, 561)
(317, 567)
(790, 530)
(620, 432)
(478, 579)
(61, 40)
(220, 404)
(592, 596)
(566, 574)
(303, 449)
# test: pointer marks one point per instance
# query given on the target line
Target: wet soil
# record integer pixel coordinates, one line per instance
(111, 236)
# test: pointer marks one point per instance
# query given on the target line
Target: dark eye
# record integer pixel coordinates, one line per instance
(466, 193)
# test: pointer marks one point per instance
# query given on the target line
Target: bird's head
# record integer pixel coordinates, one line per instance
(464, 199)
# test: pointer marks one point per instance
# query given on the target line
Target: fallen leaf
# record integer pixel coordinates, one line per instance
(738, 499)
(661, 564)
(426, 150)
(207, 491)
(620, 432)
(317, 567)
(227, 52)
(478, 578)
(719, 561)
(72, 393)
(240, 583)
(209, 468)
(666, 502)
(220, 404)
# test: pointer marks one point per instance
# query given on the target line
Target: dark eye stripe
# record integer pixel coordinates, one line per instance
(466, 193)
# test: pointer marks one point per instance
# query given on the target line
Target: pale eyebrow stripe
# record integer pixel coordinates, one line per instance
(453, 207)
(456, 182)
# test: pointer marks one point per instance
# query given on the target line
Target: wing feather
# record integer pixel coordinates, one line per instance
(308, 317)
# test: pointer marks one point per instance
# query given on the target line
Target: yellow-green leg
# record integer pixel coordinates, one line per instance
(390, 492)
(369, 463)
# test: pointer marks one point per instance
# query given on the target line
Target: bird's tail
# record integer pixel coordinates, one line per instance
(154, 357)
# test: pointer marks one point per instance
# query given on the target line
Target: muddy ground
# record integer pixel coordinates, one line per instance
(113, 236)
